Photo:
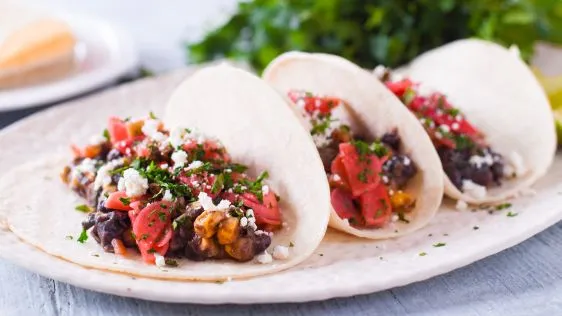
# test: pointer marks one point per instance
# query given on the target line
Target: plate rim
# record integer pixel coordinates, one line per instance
(358, 287)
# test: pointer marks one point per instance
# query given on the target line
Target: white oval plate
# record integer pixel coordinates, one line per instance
(103, 54)
(342, 266)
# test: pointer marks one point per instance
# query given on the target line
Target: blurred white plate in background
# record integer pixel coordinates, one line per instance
(103, 54)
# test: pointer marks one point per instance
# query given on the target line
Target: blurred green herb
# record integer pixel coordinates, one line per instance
(372, 32)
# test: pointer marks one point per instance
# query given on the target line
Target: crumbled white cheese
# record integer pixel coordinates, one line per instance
(207, 203)
(394, 218)
(455, 126)
(87, 165)
(223, 205)
(264, 258)
(250, 213)
(159, 260)
(243, 222)
(444, 128)
(478, 161)
(194, 165)
(517, 163)
(379, 71)
(475, 190)
(461, 205)
(385, 179)
(121, 184)
(228, 170)
(265, 189)
(150, 129)
(164, 166)
(336, 177)
(438, 135)
(135, 184)
(179, 158)
(407, 161)
(280, 252)
(176, 137)
(168, 196)
(103, 177)
(97, 139)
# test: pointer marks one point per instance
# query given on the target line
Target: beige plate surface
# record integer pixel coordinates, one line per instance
(342, 266)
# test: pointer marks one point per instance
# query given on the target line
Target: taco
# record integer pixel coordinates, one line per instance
(194, 207)
(487, 116)
(384, 175)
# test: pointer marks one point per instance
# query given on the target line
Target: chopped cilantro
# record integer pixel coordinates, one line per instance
(83, 208)
(291, 244)
(83, 236)
(402, 217)
(408, 96)
(512, 214)
(502, 206)
(423, 254)
(162, 216)
(362, 176)
(133, 235)
(439, 244)
(106, 134)
(171, 262)
(238, 213)
(235, 167)
(187, 130)
(379, 149)
(218, 184)
(152, 116)
(179, 221)
(69, 237)
(321, 125)
(144, 236)
(125, 201)
(95, 255)
(151, 250)
(453, 112)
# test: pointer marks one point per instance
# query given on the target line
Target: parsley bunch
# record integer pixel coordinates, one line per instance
(372, 32)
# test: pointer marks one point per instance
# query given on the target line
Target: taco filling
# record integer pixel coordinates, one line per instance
(468, 160)
(367, 178)
(171, 194)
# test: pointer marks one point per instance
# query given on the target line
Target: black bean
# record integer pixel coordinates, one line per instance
(113, 154)
(392, 140)
(328, 154)
(111, 226)
(399, 169)
(261, 243)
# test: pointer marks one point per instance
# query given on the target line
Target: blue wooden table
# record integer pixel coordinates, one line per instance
(524, 280)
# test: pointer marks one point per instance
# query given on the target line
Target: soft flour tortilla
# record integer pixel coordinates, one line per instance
(226, 103)
(499, 94)
(374, 111)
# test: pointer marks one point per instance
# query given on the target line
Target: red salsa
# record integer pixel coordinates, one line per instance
(172, 194)
(367, 179)
(467, 159)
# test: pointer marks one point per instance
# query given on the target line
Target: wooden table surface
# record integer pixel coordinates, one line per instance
(523, 280)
